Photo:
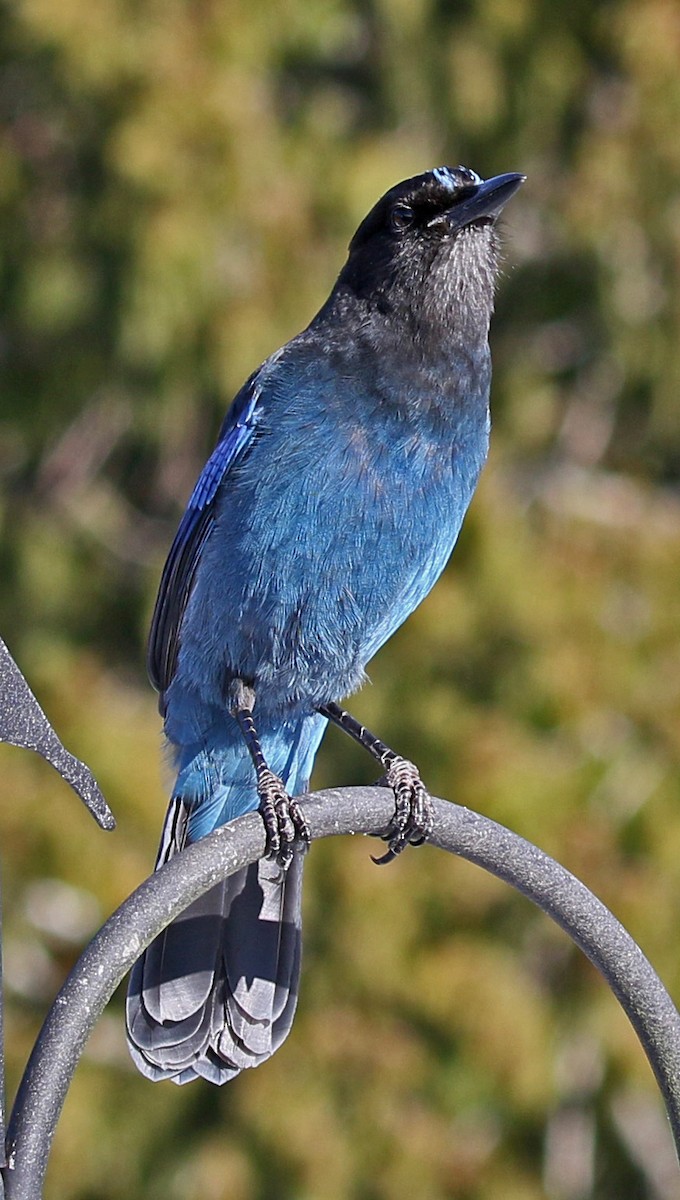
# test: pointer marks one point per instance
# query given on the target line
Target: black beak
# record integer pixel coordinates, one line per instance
(480, 201)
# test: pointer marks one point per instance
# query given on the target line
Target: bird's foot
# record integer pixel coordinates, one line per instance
(283, 819)
(412, 821)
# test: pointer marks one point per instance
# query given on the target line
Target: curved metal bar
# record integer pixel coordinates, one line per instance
(350, 810)
(23, 723)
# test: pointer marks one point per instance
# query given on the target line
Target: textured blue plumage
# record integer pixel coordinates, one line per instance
(325, 514)
(236, 432)
(335, 522)
(289, 748)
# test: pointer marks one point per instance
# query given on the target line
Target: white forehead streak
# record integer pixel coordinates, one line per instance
(448, 180)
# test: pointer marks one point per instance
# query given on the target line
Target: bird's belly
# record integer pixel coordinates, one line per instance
(320, 598)
(308, 573)
(316, 640)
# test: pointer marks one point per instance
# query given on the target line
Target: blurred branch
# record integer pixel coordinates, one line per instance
(23, 723)
(351, 810)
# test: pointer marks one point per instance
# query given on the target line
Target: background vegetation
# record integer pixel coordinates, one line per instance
(178, 182)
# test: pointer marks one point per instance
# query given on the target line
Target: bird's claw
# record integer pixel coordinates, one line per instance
(283, 819)
(412, 821)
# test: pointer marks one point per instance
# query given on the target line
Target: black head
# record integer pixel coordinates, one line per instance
(430, 246)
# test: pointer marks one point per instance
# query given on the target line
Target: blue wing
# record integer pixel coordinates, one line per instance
(185, 552)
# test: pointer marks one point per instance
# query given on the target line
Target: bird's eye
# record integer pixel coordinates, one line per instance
(401, 218)
(467, 177)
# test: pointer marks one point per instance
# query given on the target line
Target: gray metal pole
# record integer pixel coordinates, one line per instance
(350, 810)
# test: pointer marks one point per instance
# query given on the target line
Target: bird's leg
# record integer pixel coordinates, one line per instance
(283, 818)
(412, 820)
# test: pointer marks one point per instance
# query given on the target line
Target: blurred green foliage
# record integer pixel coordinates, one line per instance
(178, 182)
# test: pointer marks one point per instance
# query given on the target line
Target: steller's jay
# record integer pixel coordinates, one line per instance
(323, 517)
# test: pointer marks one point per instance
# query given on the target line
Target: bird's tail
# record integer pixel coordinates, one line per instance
(217, 990)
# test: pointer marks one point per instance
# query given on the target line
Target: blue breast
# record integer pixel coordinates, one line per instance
(327, 534)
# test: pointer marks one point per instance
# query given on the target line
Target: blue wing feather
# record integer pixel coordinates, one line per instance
(185, 552)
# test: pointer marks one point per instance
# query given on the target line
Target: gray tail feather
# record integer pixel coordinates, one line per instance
(216, 991)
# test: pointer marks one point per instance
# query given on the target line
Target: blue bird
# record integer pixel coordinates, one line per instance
(326, 512)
